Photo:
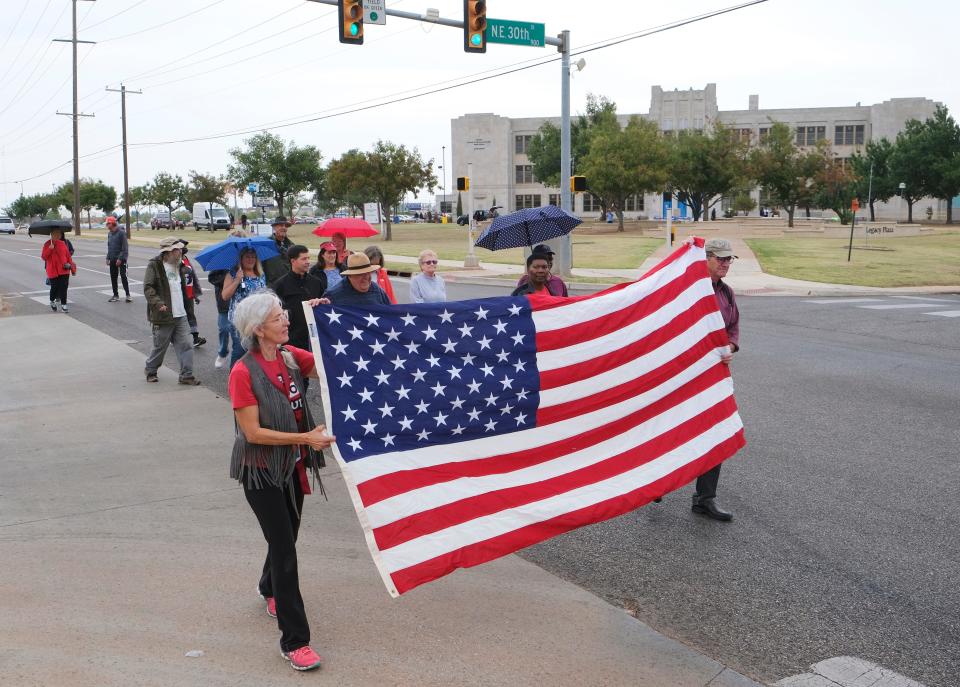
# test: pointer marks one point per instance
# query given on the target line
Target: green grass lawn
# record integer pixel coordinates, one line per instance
(931, 260)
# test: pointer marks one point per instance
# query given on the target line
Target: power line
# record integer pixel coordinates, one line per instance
(29, 38)
(23, 9)
(112, 16)
(166, 23)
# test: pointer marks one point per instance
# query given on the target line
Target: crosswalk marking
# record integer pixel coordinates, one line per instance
(896, 306)
(945, 313)
(831, 301)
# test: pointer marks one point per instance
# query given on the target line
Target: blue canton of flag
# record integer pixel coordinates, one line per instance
(406, 376)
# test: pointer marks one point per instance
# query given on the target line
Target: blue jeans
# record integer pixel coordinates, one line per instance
(223, 331)
(237, 351)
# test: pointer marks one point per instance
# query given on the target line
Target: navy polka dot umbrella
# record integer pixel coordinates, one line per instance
(527, 228)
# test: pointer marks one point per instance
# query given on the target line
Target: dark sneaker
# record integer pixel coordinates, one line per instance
(198, 341)
(303, 658)
(152, 377)
(190, 381)
(53, 306)
(113, 299)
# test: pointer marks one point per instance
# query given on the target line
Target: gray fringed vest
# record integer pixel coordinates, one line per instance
(273, 466)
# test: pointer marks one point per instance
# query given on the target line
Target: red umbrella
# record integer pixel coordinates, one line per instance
(350, 227)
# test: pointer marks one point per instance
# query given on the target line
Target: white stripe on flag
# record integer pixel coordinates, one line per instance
(614, 341)
(435, 495)
(369, 467)
(569, 315)
(635, 368)
(487, 527)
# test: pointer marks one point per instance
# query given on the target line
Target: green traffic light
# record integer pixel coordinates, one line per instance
(476, 39)
(354, 29)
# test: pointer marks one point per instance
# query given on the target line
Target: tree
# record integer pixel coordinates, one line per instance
(386, 174)
(459, 204)
(787, 173)
(705, 166)
(941, 154)
(38, 205)
(909, 164)
(93, 194)
(280, 169)
(836, 186)
(203, 188)
(624, 162)
(744, 202)
(875, 180)
(544, 148)
(166, 190)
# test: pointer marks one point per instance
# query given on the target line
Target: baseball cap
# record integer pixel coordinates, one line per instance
(720, 247)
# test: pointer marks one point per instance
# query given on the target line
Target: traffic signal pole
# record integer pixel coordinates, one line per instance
(564, 252)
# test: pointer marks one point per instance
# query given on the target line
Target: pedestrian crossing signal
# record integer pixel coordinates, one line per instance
(463, 183)
(351, 21)
(474, 26)
(578, 184)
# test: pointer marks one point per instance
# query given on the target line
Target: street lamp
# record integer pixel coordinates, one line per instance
(902, 188)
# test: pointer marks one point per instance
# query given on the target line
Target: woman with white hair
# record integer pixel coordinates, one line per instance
(428, 286)
(276, 442)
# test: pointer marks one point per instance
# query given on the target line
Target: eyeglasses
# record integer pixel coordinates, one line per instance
(429, 262)
(284, 316)
(729, 258)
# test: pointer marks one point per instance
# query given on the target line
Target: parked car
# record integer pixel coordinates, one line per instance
(7, 226)
(161, 221)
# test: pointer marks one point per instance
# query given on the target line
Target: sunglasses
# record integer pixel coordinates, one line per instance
(429, 262)
(729, 258)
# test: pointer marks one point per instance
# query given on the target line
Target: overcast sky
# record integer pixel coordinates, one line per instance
(209, 67)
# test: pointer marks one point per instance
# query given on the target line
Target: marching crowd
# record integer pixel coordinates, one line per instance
(262, 332)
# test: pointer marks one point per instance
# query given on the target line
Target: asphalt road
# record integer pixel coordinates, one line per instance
(845, 535)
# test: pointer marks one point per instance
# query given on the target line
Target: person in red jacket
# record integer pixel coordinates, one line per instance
(60, 266)
(194, 291)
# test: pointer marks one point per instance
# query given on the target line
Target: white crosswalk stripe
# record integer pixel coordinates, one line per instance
(896, 306)
(896, 303)
(832, 301)
(945, 313)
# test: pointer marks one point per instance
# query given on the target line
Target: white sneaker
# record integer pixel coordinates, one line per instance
(219, 362)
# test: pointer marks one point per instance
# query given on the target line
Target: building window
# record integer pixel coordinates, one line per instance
(744, 135)
(555, 199)
(809, 135)
(848, 134)
(524, 174)
(526, 201)
(446, 206)
(591, 203)
(698, 122)
(764, 132)
(668, 125)
(633, 204)
(521, 143)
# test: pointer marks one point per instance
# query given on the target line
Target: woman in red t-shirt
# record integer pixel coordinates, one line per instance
(273, 484)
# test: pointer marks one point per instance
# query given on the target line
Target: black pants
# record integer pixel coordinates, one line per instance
(280, 524)
(121, 271)
(58, 288)
(707, 483)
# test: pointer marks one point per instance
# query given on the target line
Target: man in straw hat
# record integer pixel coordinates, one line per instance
(357, 288)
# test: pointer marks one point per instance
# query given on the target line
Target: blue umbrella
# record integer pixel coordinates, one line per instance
(527, 227)
(226, 254)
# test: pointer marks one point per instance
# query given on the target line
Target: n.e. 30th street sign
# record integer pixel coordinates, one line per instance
(515, 32)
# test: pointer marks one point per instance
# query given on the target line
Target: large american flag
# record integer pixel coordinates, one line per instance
(468, 430)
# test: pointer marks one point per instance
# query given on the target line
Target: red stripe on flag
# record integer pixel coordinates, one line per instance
(561, 376)
(383, 487)
(488, 550)
(448, 515)
(630, 313)
(635, 386)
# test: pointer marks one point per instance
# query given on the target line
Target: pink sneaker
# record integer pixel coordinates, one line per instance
(303, 658)
(271, 606)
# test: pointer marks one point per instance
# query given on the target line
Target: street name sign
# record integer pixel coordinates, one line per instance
(516, 32)
(374, 11)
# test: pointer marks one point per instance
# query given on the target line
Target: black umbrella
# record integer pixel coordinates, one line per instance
(45, 226)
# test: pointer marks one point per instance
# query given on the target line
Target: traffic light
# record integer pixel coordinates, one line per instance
(463, 183)
(578, 184)
(351, 21)
(474, 26)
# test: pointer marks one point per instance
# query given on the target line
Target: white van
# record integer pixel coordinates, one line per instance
(210, 216)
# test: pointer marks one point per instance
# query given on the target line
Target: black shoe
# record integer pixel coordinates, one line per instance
(659, 499)
(152, 377)
(709, 508)
(190, 381)
(198, 341)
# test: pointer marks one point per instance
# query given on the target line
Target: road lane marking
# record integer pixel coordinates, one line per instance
(108, 292)
(928, 298)
(831, 301)
(945, 313)
(895, 306)
(78, 288)
(847, 671)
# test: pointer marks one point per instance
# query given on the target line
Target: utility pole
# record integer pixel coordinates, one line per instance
(76, 129)
(126, 179)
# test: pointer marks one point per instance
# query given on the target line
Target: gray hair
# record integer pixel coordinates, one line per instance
(251, 313)
(374, 253)
(426, 253)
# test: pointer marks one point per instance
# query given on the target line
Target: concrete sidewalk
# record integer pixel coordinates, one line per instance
(126, 546)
